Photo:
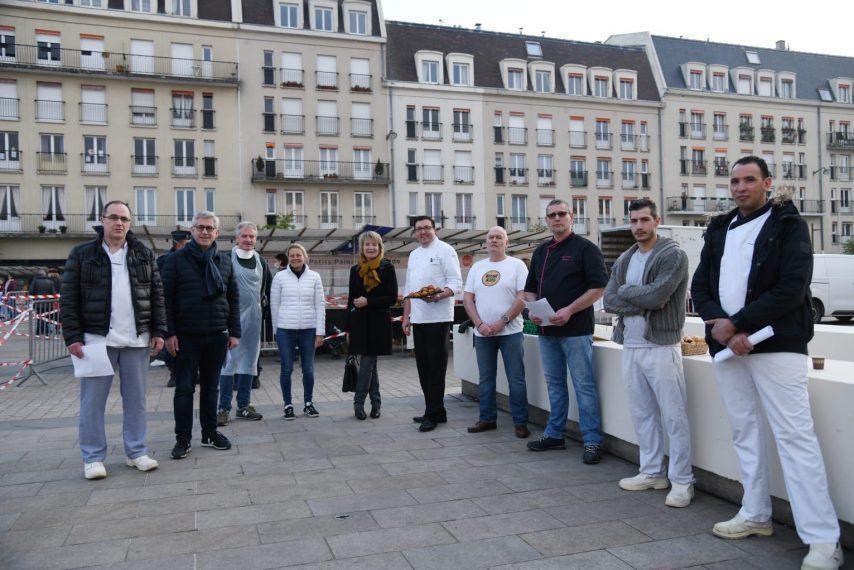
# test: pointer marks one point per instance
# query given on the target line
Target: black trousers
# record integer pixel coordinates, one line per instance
(431, 359)
(367, 381)
(205, 353)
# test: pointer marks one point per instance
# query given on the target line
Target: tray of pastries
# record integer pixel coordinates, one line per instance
(426, 291)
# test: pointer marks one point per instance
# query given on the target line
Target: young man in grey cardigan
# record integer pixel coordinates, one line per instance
(647, 292)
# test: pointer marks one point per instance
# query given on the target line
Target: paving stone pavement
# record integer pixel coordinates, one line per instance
(335, 492)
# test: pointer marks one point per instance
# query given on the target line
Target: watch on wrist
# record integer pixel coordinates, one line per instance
(505, 318)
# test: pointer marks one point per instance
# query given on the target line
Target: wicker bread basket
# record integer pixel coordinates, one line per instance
(694, 346)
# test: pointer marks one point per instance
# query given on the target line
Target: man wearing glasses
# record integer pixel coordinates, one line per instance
(569, 272)
(111, 294)
(429, 319)
(203, 322)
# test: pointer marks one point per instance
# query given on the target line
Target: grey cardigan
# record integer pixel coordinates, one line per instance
(661, 298)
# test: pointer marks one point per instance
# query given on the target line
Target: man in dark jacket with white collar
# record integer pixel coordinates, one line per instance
(203, 322)
(755, 271)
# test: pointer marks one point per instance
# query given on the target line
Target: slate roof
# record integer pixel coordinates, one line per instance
(813, 70)
(489, 48)
(261, 12)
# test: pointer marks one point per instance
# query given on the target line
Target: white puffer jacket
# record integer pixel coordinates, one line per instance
(298, 302)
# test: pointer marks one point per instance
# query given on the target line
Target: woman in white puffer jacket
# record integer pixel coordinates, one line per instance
(297, 307)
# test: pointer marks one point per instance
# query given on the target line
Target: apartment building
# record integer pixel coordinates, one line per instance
(491, 126)
(113, 100)
(724, 101)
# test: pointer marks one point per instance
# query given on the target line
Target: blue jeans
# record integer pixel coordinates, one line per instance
(576, 352)
(289, 340)
(512, 352)
(226, 390)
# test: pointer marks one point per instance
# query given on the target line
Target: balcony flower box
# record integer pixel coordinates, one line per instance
(330, 176)
(120, 68)
(292, 84)
(360, 89)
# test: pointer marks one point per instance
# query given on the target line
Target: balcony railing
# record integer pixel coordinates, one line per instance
(320, 171)
(545, 137)
(119, 64)
(500, 175)
(142, 165)
(209, 167)
(360, 83)
(721, 168)
(10, 108)
(517, 135)
(292, 77)
(606, 222)
(628, 142)
(580, 225)
(268, 122)
(95, 164)
(577, 139)
(53, 111)
(745, 133)
(359, 221)
(809, 206)
(792, 171)
(61, 223)
(462, 132)
(141, 116)
(603, 140)
(182, 118)
(720, 132)
(604, 179)
(630, 180)
(517, 175)
(463, 174)
(788, 135)
(519, 223)
(94, 113)
(361, 127)
(51, 162)
(292, 124)
(431, 131)
(645, 180)
(578, 178)
(700, 204)
(329, 221)
(840, 173)
(464, 222)
(326, 79)
(841, 207)
(692, 167)
(545, 177)
(184, 166)
(327, 125)
(840, 140)
(432, 173)
(768, 135)
(208, 119)
(10, 160)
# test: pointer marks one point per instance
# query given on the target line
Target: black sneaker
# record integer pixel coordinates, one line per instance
(310, 411)
(248, 413)
(547, 444)
(171, 382)
(182, 448)
(289, 413)
(216, 440)
(443, 419)
(592, 454)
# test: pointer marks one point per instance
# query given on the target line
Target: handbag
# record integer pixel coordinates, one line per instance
(351, 373)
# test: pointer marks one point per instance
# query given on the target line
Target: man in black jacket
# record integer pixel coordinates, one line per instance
(111, 294)
(203, 322)
(755, 271)
(179, 240)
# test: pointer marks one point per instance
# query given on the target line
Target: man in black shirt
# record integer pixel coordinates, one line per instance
(569, 272)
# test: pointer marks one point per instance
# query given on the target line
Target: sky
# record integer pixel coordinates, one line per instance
(812, 27)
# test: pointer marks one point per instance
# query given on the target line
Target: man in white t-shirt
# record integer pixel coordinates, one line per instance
(494, 301)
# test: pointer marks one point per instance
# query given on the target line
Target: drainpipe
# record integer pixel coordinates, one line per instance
(390, 137)
(662, 205)
(240, 149)
(820, 179)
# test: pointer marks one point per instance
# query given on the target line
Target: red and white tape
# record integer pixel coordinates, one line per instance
(16, 377)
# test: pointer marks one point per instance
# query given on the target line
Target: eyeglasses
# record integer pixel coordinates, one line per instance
(554, 215)
(116, 218)
(423, 228)
(204, 229)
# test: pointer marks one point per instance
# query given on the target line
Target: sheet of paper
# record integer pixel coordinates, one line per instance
(95, 361)
(540, 309)
(755, 338)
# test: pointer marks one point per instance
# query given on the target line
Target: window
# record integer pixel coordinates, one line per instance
(181, 8)
(515, 79)
(323, 18)
(293, 161)
(144, 157)
(7, 46)
(411, 165)
(182, 60)
(430, 71)
(51, 144)
(327, 118)
(463, 168)
(460, 75)
(603, 134)
(575, 84)
(362, 125)
(543, 81)
(718, 81)
(358, 22)
(787, 89)
(94, 199)
(462, 125)
(824, 94)
(210, 201)
(696, 80)
(433, 207)
(141, 5)
(629, 174)
(185, 205)
(627, 89)
(464, 217)
(93, 105)
(327, 72)
(294, 207)
(209, 161)
(268, 72)
(328, 161)
(53, 205)
(142, 56)
(143, 111)
(545, 132)
(271, 201)
(10, 156)
(603, 173)
(10, 199)
(328, 210)
(766, 87)
(499, 205)
(600, 87)
(363, 211)
(533, 49)
(628, 139)
(183, 114)
(95, 155)
(517, 170)
(360, 74)
(288, 15)
(92, 3)
(49, 52)
(606, 214)
(207, 62)
(363, 168)
(207, 111)
(291, 70)
(430, 127)
(519, 212)
(745, 85)
(432, 170)
(545, 170)
(752, 57)
(91, 53)
(184, 159)
(844, 93)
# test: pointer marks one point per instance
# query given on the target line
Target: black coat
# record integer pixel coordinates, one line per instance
(183, 287)
(87, 290)
(778, 286)
(43, 285)
(370, 327)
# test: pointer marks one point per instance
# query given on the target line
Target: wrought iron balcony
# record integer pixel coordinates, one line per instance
(329, 221)
(292, 124)
(840, 140)
(628, 141)
(185, 166)
(51, 111)
(117, 64)
(320, 171)
(360, 83)
(840, 173)
(545, 177)
(578, 178)
(143, 165)
(292, 77)
(361, 127)
(95, 164)
(51, 162)
(721, 168)
(464, 222)
(517, 135)
(463, 132)
(359, 221)
(517, 176)
(431, 131)
(577, 139)
(182, 118)
(519, 223)
(768, 134)
(580, 225)
(463, 174)
(745, 133)
(720, 132)
(788, 135)
(327, 80)
(327, 125)
(141, 116)
(433, 173)
(606, 222)
(10, 108)
(809, 207)
(841, 207)
(604, 179)
(545, 137)
(698, 205)
(93, 113)
(692, 167)
(603, 140)
(10, 160)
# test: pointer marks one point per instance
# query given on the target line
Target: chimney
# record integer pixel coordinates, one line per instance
(477, 26)
(780, 45)
(520, 31)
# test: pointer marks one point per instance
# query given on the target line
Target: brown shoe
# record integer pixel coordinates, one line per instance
(522, 431)
(482, 426)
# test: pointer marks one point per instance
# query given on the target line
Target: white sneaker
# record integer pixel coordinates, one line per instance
(642, 482)
(94, 470)
(680, 495)
(143, 463)
(739, 527)
(827, 556)
(155, 363)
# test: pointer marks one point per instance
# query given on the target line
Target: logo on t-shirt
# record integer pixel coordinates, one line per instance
(490, 278)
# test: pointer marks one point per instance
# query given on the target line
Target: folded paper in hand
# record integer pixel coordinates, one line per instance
(95, 361)
(540, 309)
(755, 338)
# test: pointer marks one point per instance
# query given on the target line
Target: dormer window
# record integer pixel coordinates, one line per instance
(460, 74)
(824, 94)
(289, 15)
(696, 80)
(752, 57)
(323, 18)
(718, 82)
(533, 49)
(543, 81)
(575, 84)
(787, 89)
(358, 22)
(515, 79)
(600, 87)
(844, 94)
(745, 86)
(627, 89)
(430, 71)
(766, 87)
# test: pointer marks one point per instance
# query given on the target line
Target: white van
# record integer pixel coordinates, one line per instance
(832, 286)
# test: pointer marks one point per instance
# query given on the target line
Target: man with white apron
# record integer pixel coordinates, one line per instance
(253, 282)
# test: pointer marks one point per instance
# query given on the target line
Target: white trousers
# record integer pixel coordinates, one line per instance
(777, 384)
(655, 384)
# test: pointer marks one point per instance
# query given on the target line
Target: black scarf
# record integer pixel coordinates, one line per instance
(214, 286)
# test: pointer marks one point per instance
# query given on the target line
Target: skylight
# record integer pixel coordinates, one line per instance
(752, 57)
(534, 49)
(825, 95)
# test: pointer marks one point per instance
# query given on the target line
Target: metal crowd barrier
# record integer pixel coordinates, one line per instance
(37, 318)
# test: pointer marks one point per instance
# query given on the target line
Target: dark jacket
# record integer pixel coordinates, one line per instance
(778, 291)
(370, 327)
(87, 290)
(162, 259)
(183, 287)
(42, 285)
